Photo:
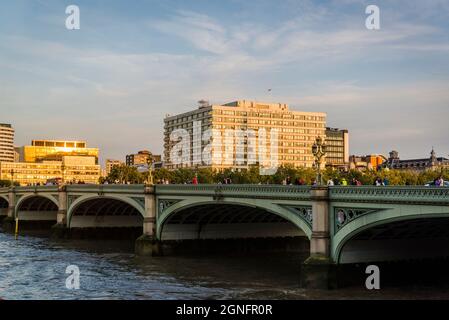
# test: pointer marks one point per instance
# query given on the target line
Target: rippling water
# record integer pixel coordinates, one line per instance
(34, 268)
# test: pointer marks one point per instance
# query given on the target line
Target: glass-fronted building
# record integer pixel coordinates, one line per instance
(55, 150)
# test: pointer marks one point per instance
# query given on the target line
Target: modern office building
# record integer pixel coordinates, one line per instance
(6, 143)
(141, 158)
(110, 163)
(337, 148)
(55, 150)
(52, 160)
(71, 169)
(253, 123)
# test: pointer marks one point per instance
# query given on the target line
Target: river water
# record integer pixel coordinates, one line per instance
(33, 267)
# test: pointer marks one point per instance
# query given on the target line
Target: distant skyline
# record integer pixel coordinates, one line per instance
(113, 81)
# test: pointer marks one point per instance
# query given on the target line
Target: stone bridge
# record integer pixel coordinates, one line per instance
(341, 224)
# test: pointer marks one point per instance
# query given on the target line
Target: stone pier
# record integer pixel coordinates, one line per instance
(148, 244)
(8, 223)
(317, 272)
(60, 230)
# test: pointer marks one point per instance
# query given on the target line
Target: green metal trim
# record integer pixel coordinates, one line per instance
(303, 212)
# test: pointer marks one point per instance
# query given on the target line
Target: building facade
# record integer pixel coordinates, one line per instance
(369, 162)
(240, 133)
(53, 160)
(55, 150)
(6, 143)
(431, 163)
(337, 148)
(141, 158)
(110, 163)
(72, 169)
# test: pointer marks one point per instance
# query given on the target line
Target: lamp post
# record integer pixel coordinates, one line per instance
(150, 171)
(12, 177)
(319, 151)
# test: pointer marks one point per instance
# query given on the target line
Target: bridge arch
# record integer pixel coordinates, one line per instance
(104, 205)
(26, 197)
(254, 207)
(383, 223)
(4, 204)
(4, 197)
(37, 210)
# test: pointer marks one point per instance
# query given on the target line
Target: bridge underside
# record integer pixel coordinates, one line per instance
(226, 221)
(105, 213)
(397, 241)
(37, 212)
(105, 218)
(3, 207)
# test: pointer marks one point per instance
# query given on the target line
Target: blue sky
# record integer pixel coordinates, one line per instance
(131, 63)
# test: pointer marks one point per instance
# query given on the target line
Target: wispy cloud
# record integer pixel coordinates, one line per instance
(315, 56)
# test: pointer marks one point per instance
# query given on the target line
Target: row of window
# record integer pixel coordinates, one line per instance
(188, 118)
(59, 144)
(275, 115)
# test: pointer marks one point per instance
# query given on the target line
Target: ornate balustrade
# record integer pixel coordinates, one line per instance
(393, 194)
(238, 191)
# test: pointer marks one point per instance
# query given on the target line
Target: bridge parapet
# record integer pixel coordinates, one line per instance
(106, 188)
(391, 194)
(36, 189)
(238, 190)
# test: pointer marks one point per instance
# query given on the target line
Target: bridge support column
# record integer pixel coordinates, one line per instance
(148, 244)
(317, 272)
(9, 221)
(59, 230)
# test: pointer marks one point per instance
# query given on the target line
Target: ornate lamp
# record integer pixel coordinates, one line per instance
(319, 151)
(150, 180)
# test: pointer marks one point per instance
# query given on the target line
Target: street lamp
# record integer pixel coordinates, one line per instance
(319, 151)
(12, 177)
(150, 170)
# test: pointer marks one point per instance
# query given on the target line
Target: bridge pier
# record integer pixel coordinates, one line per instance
(148, 244)
(60, 230)
(318, 271)
(9, 221)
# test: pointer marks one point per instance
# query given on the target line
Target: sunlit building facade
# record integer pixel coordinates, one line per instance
(296, 133)
(52, 160)
(141, 158)
(6, 143)
(72, 169)
(55, 150)
(110, 164)
(369, 162)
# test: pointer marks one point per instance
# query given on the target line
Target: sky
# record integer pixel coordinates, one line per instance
(131, 63)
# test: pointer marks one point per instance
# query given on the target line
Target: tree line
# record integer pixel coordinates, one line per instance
(124, 174)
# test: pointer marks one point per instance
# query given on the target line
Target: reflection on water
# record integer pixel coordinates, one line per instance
(34, 268)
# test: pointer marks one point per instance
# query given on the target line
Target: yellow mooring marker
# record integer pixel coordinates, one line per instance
(17, 228)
